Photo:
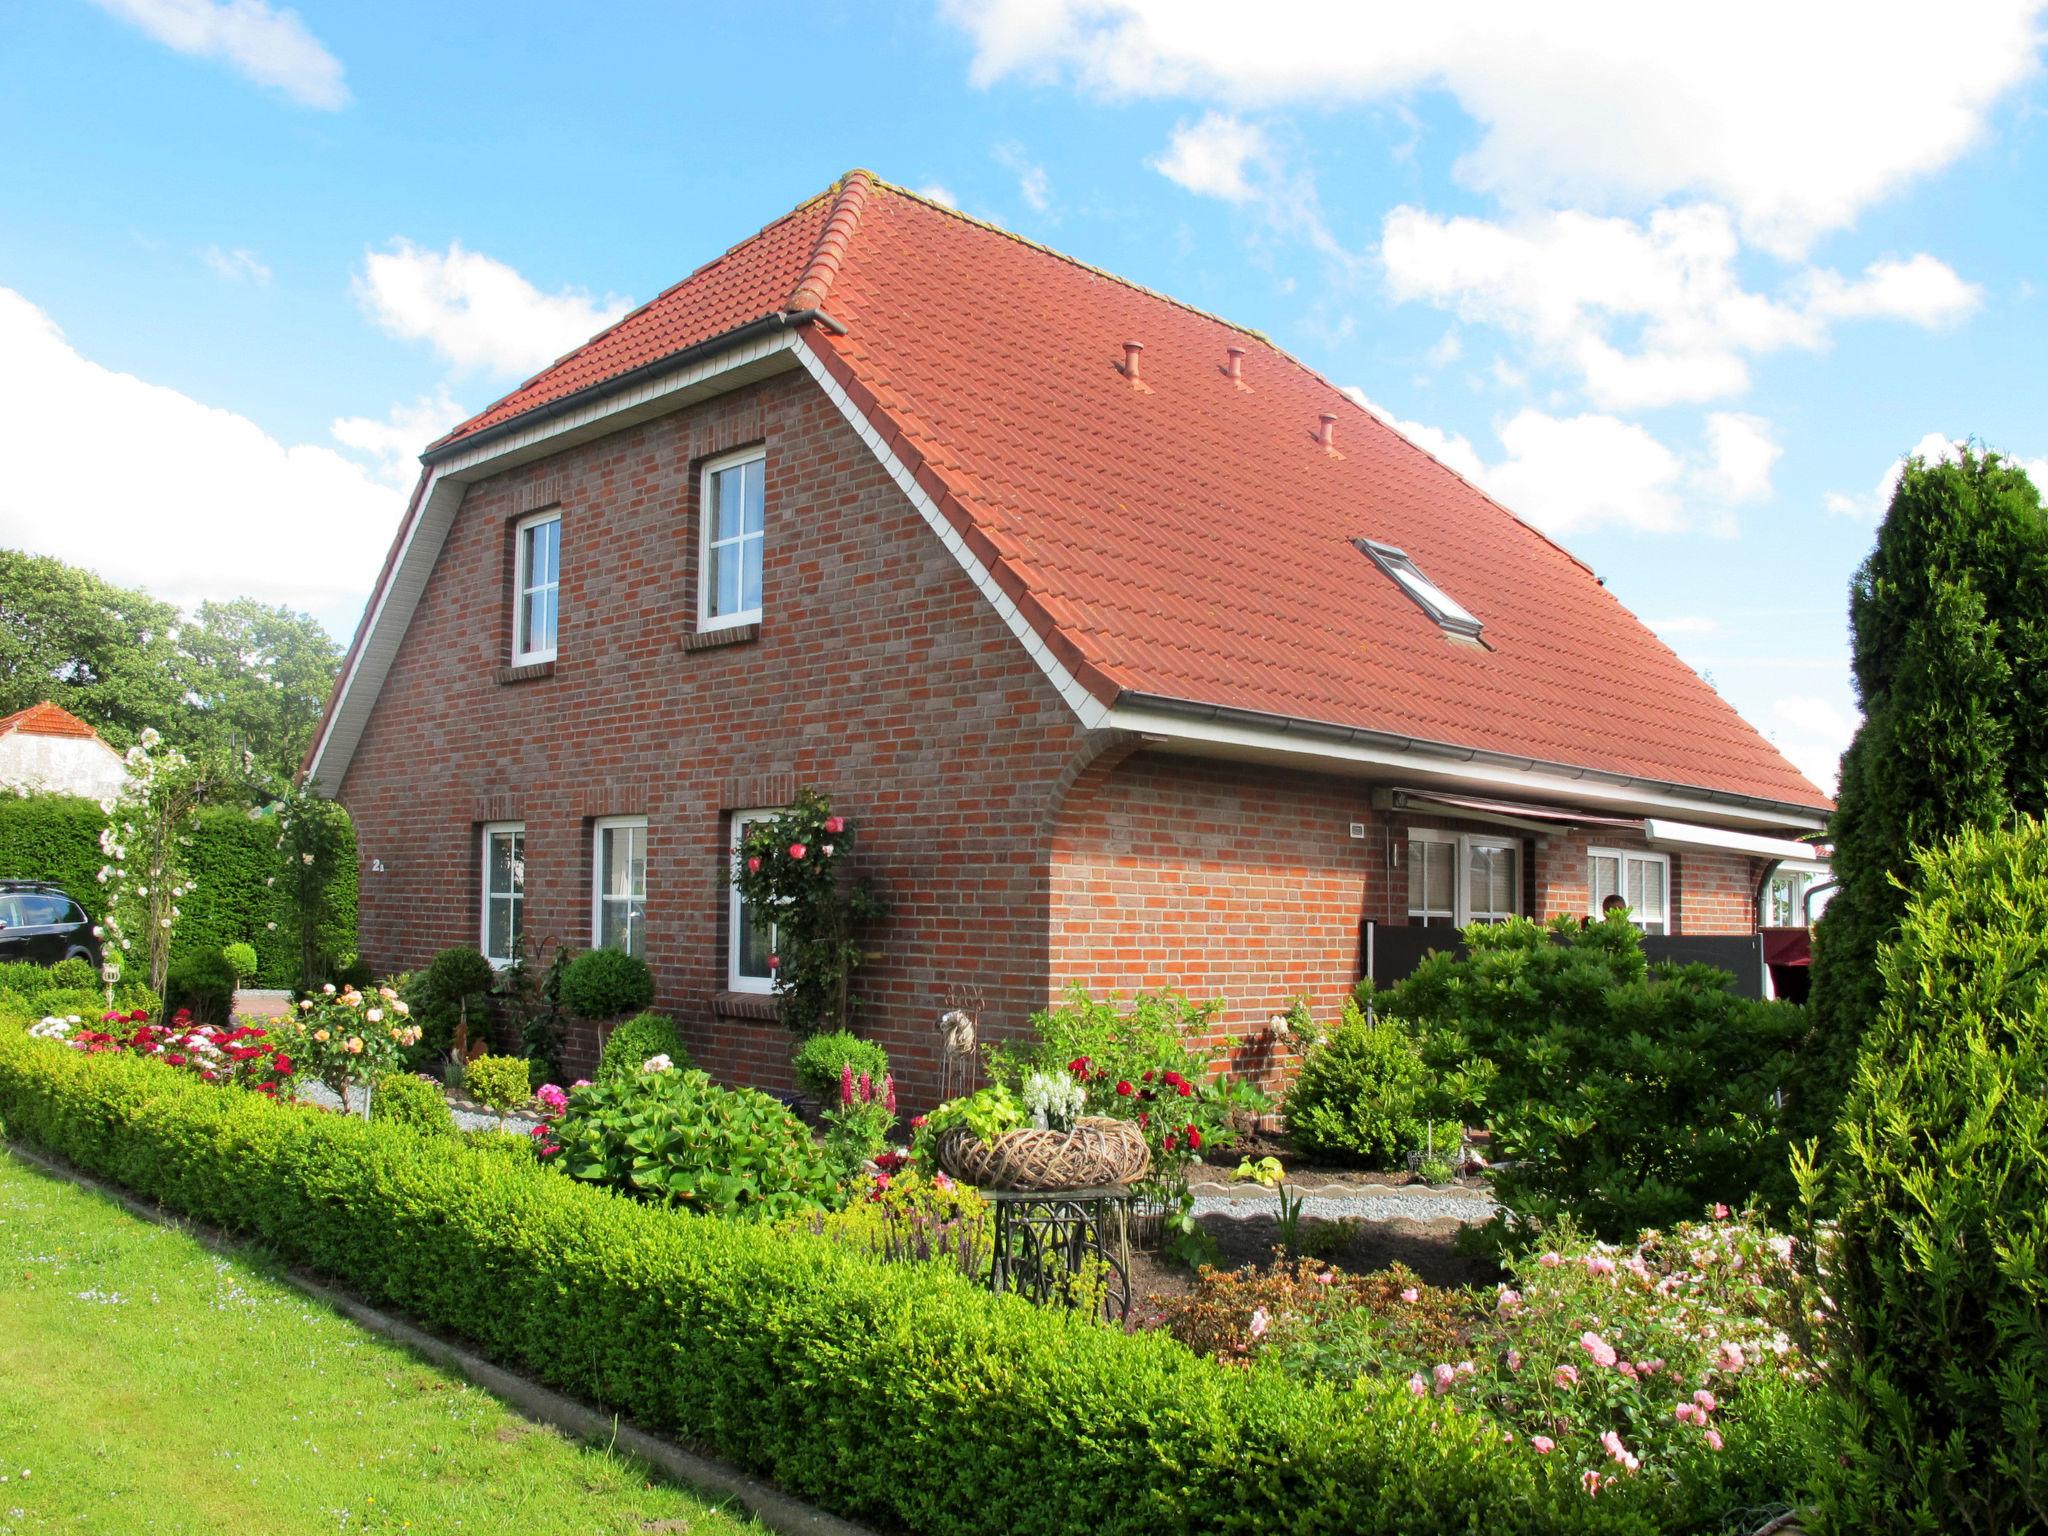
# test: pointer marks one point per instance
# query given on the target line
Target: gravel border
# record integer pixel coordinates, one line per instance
(1396, 1204)
(312, 1092)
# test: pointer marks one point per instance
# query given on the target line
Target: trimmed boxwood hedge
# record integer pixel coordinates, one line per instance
(56, 837)
(902, 1394)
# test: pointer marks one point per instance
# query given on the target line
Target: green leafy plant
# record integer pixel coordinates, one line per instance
(907, 1217)
(501, 1083)
(72, 972)
(1618, 1095)
(404, 1099)
(605, 984)
(531, 992)
(1941, 1351)
(146, 844)
(1363, 1094)
(641, 1038)
(317, 847)
(796, 867)
(458, 982)
(820, 1059)
(674, 1136)
(343, 1037)
(986, 1114)
(1268, 1172)
(240, 960)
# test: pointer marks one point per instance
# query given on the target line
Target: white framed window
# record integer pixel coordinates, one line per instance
(1785, 898)
(750, 939)
(1641, 880)
(1450, 615)
(504, 890)
(1454, 880)
(536, 586)
(618, 884)
(733, 521)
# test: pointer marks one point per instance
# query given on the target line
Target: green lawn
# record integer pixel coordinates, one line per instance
(147, 1384)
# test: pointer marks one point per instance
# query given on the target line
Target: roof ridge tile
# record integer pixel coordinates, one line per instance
(833, 240)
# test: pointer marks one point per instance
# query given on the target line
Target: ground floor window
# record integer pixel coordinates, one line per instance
(504, 893)
(1454, 880)
(750, 938)
(618, 917)
(1641, 880)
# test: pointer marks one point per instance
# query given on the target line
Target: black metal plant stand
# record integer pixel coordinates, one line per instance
(1062, 1245)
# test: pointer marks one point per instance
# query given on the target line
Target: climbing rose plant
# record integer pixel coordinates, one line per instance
(795, 869)
(147, 843)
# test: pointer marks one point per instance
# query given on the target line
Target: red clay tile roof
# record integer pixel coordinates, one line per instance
(45, 719)
(1191, 539)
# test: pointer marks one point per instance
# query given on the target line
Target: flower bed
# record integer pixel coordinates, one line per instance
(901, 1393)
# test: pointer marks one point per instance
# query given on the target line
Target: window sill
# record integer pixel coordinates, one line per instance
(526, 673)
(746, 1005)
(731, 634)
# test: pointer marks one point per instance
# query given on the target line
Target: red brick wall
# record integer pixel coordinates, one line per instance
(880, 675)
(1715, 893)
(1223, 881)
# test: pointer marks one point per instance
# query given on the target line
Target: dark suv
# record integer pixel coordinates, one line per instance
(41, 924)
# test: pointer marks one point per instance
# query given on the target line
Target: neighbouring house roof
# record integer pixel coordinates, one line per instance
(46, 719)
(1185, 537)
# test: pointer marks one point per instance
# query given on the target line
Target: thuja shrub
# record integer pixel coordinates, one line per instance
(1942, 1284)
(1621, 1095)
(902, 1394)
(1362, 1094)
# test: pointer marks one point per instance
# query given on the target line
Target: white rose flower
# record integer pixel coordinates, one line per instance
(656, 1064)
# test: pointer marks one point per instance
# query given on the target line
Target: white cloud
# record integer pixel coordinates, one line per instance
(1935, 448)
(154, 489)
(1210, 157)
(476, 311)
(1567, 473)
(273, 48)
(1643, 314)
(1033, 185)
(938, 193)
(1813, 733)
(1921, 289)
(1448, 349)
(396, 441)
(237, 266)
(1797, 116)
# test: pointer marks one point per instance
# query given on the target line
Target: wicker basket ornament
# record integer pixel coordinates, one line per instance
(1098, 1152)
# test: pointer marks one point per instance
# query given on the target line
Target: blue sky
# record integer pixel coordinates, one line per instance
(1680, 291)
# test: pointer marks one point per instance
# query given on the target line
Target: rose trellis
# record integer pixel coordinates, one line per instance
(146, 843)
(793, 869)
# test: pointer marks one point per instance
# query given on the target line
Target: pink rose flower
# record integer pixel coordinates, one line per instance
(1542, 1445)
(1706, 1400)
(1416, 1385)
(797, 850)
(1411, 1295)
(1713, 1439)
(1566, 1376)
(1720, 1211)
(1260, 1322)
(1601, 1351)
(1445, 1376)
(1599, 1264)
(835, 824)
(1550, 1261)
(1514, 1359)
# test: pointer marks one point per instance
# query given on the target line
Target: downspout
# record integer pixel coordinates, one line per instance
(1763, 883)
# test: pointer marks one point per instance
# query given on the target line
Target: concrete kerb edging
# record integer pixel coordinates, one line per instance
(767, 1503)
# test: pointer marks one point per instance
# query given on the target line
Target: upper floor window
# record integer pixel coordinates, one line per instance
(750, 937)
(1450, 615)
(1454, 880)
(537, 582)
(732, 512)
(504, 891)
(618, 899)
(1641, 880)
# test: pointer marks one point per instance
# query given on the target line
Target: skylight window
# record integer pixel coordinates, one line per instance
(1450, 615)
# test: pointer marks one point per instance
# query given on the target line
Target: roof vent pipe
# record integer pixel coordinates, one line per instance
(1131, 351)
(1328, 435)
(1235, 367)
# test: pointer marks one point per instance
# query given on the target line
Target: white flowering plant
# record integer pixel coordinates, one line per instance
(146, 844)
(1053, 1100)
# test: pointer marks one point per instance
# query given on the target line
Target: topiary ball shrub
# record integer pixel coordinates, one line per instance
(606, 984)
(203, 986)
(639, 1040)
(74, 972)
(1359, 1096)
(400, 1098)
(1942, 1277)
(821, 1058)
(674, 1137)
(502, 1083)
(240, 960)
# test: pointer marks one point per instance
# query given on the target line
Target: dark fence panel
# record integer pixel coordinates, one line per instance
(1394, 951)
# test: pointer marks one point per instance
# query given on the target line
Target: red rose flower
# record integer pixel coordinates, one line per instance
(1078, 1066)
(283, 1063)
(775, 962)
(835, 824)
(1143, 1119)
(1167, 1141)
(1186, 1088)
(797, 850)
(754, 865)
(1194, 1139)
(1124, 1090)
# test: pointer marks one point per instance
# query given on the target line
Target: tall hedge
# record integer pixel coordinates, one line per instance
(56, 837)
(902, 1394)
(1949, 618)
(1943, 1274)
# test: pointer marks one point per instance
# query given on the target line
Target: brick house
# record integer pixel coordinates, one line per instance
(1141, 655)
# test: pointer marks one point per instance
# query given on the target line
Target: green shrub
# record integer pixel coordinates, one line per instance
(455, 991)
(1942, 1278)
(604, 984)
(639, 1039)
(821, 1057)
(403, 1099)
(14, 1005)
(202, 984)
(1361, 1095)
(63, 1001)
(240, 960)
(901, 1395)
(20, 976)
(131, 995)
(676, 1136)
(1624, 1097)
(74, 972)
(502, 1083)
